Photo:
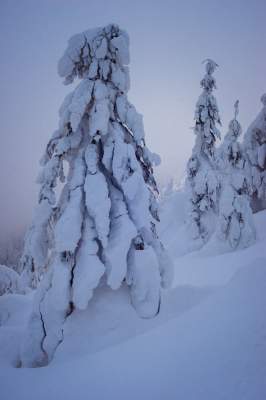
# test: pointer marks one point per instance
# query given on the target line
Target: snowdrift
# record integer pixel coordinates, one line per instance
(208, 342)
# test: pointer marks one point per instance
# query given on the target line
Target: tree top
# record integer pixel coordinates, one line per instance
(91, 52)
(210, 65)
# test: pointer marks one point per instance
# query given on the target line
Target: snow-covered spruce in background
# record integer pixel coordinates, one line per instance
(103, 227)
(10, 281)
(202, 179)
(255, 146)
(235, 224)
(168, 189)
(11, 248)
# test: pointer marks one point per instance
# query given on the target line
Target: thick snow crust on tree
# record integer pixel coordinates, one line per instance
(202, 178)
(235, 223)
(235, 220)
(102, 228)
(255, 147)
(35, 252)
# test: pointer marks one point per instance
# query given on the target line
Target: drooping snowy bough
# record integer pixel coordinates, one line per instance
(202, 178)
(255, 147)
(235, 224)
(102, 228)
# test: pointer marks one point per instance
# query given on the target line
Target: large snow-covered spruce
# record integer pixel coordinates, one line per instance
(202, 179)
(255, 147)
(102, 228)
(235, 224)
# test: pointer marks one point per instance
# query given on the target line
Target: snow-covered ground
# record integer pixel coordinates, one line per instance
(207, 343)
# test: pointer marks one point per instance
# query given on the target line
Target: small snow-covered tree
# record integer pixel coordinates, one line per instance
(255, 147)
(202, 179)
(235, 215)
(11, 248)
(10, 281)
(168, 189)
(102, 229)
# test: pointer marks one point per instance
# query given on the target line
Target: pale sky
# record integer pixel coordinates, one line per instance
(168, 41)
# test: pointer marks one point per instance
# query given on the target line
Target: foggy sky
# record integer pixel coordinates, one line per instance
(168, 41)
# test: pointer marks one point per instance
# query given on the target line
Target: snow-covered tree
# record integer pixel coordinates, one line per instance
(102, 229)
(202, 178)
(235, 215)
(255, 146)
(10, 281)
(168, 189)
(11, 248)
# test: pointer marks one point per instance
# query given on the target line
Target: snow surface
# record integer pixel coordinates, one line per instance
(207, 343)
